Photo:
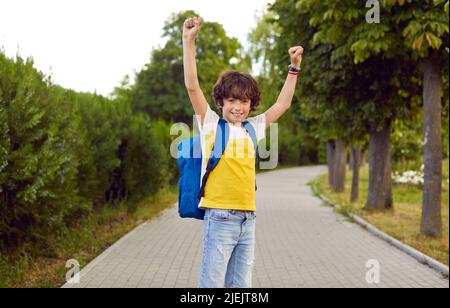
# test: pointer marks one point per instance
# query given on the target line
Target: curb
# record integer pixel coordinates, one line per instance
(90, 265)
(102, 256)
(419, 256)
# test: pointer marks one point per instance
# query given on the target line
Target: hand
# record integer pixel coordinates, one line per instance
(296, 55)
(191, 28)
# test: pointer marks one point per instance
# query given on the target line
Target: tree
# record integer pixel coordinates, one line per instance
(159, 90)
(297, 143)
(355, 165)
(386, 89)
(338, 95)
(409, 30)
(426, 32)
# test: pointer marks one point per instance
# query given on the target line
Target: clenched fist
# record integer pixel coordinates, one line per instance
(191, 28)
(296, 54)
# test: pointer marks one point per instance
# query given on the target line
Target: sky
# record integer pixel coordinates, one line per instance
(90, 45)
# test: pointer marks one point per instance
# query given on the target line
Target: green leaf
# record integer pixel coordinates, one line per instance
(439, 2)
(434, 41)
(328, 15)
(412, 29)
(318, 37)
(417, 44)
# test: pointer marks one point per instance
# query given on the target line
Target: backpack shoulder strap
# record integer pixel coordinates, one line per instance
(251, 131)
(222, 136)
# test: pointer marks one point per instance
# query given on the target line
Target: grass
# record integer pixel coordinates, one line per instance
(403, 221)
(42, 269)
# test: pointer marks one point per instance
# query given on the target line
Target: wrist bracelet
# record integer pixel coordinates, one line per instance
(294, 69)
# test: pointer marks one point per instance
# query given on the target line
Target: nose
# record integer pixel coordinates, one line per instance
(238, 106)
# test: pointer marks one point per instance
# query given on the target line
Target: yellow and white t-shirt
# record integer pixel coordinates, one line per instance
(231, 185)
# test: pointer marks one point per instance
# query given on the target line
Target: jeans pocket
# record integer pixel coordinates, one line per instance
(219, 215)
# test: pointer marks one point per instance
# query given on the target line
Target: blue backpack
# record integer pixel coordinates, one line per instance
(190, 165)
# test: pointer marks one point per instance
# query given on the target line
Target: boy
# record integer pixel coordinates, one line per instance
(229, 198)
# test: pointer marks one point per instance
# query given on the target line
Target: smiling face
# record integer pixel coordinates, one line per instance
(236, 110)
(236, 95)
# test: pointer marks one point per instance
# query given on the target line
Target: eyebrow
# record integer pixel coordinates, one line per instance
(242, 99)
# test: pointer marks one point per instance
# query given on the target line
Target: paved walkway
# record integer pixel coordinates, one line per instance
(300, 243)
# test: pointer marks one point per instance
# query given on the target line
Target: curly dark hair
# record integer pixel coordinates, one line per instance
(236, 85)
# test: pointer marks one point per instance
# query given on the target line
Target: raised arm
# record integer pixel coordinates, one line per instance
(191, 28)
(284, 100)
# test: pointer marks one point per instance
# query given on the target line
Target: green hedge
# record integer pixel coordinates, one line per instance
(63, 154)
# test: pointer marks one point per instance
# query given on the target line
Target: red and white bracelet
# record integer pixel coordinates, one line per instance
(294, 70)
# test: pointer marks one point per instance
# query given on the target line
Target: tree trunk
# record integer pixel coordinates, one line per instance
(380, 169)
(363, 158)
(432, 190)
(331, 146)
(340, 166)
(356, 154)
(350, 161)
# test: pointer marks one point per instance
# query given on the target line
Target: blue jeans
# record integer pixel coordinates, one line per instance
(228, 249)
